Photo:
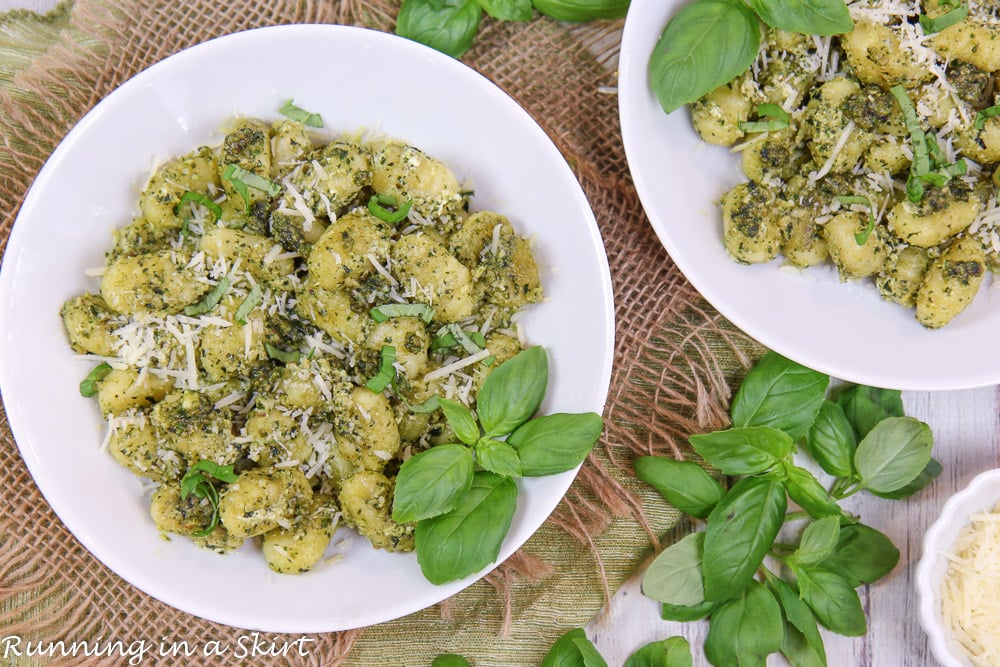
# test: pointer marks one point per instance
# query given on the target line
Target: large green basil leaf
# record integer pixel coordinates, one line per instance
(674, 577)
(468, 538)
(818, 541)
(893, 453)
(803, 644)
(781, 394)
(743, 451)
(745, 630)
(508, 10)
(573, 649)
(555, 443)
(706, 44)
(834, 601)
(863, 555)
(830, 441)
(809, 17)
(739, 533)
(672, 652)
(866, 406)
(430, 483)
(685, 484)
(920, 482)
(512, 392)
(582, 10)
(461, 420)
(450, 26)
(808, 493)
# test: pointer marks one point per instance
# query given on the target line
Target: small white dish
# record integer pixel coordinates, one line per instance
(359, 80)
(982, 494)
(843, 329)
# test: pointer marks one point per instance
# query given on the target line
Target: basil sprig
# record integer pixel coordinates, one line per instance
(462, 495)
(710, 42)
(859, 436)
(573, 649)
(198, 481)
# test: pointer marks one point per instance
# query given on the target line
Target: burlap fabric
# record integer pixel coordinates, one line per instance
(675, 357)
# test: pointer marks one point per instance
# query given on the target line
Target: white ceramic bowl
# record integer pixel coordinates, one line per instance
(357, 79)
(844, 329)
(982, 493)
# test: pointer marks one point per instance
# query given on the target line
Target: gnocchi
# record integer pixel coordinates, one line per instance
(244, 315)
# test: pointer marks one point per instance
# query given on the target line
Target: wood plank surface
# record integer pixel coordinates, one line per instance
(967, 442)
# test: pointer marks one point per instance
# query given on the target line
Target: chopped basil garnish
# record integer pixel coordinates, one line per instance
(946, 20)
(242, 179)
(253, 298)
(201, 200)
(386, 371)
(447, 338)
(983, 115)
(289, 110)
(384, 312)
(89, 385)
(430, 405)
(848, 200)
(387, 209)
(779, 119)
(284, 356)
(196, 480)
(921, 164)
(210, 301)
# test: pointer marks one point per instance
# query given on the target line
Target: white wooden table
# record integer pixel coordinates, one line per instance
(967, 442)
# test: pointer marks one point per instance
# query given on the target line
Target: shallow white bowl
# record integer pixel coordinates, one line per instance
(843, 329)
(357, 79)
(982, 493)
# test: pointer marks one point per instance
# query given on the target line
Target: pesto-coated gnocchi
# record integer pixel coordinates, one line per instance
(272, 327)
(876, 151)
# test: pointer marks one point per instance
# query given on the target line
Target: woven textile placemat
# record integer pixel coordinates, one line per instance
(674, 364)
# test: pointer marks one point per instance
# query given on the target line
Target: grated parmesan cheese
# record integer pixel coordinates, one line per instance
(970, 592)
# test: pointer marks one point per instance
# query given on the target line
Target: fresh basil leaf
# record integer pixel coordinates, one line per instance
(803, 644)
(834, 601)
(866, 406)
(809, 17)
(706, 44)
(818, 541)
(508, 10)
(830, 441)
(512, 392)
(88, 386)
(498, 457)
(745, 630)
(674, 577)
(807, 492)
(672, 652)
(582, 10)
(740, 531)
(430, 483)
(450, 660)
(555, 443)
(863, 555)
(683, 614)
(780, 393)
(685, 484)
(743, 451)
(893, 453)
(450, 26)
(573, 649)
(468, 538)
(461, 420)
(920, 482)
